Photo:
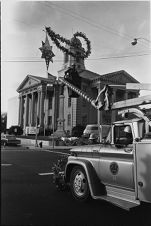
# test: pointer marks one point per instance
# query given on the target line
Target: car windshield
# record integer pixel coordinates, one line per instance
(92, 127)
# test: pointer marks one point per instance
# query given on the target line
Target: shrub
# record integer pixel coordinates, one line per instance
(16, 130)
(77, 131)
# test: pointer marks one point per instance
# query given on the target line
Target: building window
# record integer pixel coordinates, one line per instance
(69, 101)
(50, 103)
(120, 95)
(49, 120)
(69, 120)
(131, 95)
(84, 88)
(83, 102)
(84, 120)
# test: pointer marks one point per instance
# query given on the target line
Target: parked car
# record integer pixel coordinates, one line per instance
(93, 131)
(9, 140)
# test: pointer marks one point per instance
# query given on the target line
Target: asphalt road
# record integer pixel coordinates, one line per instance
(29, 198)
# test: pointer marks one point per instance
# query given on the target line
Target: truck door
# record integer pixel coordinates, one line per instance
(143, 159)
(116, 166)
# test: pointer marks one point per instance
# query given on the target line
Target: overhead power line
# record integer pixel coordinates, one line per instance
(100, 26)
(99, 58)
(124, 56)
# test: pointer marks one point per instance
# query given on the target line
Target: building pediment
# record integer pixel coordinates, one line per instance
(34, 81)
(28, 82)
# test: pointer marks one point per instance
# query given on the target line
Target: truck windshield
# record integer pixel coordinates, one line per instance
(123, 135)
(148, 135)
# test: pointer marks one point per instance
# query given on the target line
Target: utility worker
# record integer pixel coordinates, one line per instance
(129, 136)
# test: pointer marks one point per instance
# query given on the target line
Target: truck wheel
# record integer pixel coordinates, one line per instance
(79, 184)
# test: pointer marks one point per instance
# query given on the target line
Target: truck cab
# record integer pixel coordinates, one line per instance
(117, 170)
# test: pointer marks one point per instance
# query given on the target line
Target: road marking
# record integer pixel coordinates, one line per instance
(6, 164)
(45, 174)
(61, 153)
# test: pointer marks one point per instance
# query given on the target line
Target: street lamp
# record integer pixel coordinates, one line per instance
(135, 40)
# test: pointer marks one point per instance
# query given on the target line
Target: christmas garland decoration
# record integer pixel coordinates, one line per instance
(74, 42)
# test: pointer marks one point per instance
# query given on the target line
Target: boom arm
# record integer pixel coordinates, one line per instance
(117, 105)
(81, 93)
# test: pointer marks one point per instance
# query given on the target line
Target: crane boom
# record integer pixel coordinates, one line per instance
(80, 92)
(117, 105)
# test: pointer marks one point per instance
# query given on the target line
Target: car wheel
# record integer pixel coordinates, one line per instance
(79, 184)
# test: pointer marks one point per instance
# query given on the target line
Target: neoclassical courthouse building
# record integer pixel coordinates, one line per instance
(42, 104)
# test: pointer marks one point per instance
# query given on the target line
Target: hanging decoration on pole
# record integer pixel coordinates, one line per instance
(56, 38)
(47, 53)
(71, 75)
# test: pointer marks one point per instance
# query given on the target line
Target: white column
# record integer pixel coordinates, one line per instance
(19, 115)
(26, 110)
(42, 107)
(20, 121)
(32, 108)
(38, 106)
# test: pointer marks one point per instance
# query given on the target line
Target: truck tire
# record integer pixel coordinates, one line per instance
(79, 184)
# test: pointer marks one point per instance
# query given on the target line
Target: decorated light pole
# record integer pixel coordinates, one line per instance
(80, 53)
(48, 55)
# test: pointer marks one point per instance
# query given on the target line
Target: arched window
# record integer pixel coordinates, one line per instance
(69, 120)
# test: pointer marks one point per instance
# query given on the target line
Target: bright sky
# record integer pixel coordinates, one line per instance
(109, 25)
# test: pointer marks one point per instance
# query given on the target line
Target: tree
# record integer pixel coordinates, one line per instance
(16, 130)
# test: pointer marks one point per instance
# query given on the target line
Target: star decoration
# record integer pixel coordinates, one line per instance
(47, 53)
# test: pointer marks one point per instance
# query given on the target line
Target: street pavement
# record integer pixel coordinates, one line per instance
(30, 198)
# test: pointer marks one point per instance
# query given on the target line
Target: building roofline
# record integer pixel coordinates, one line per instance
(104, 77)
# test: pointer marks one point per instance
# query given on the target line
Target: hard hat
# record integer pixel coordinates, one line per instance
(92, 136)
(127, 129)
